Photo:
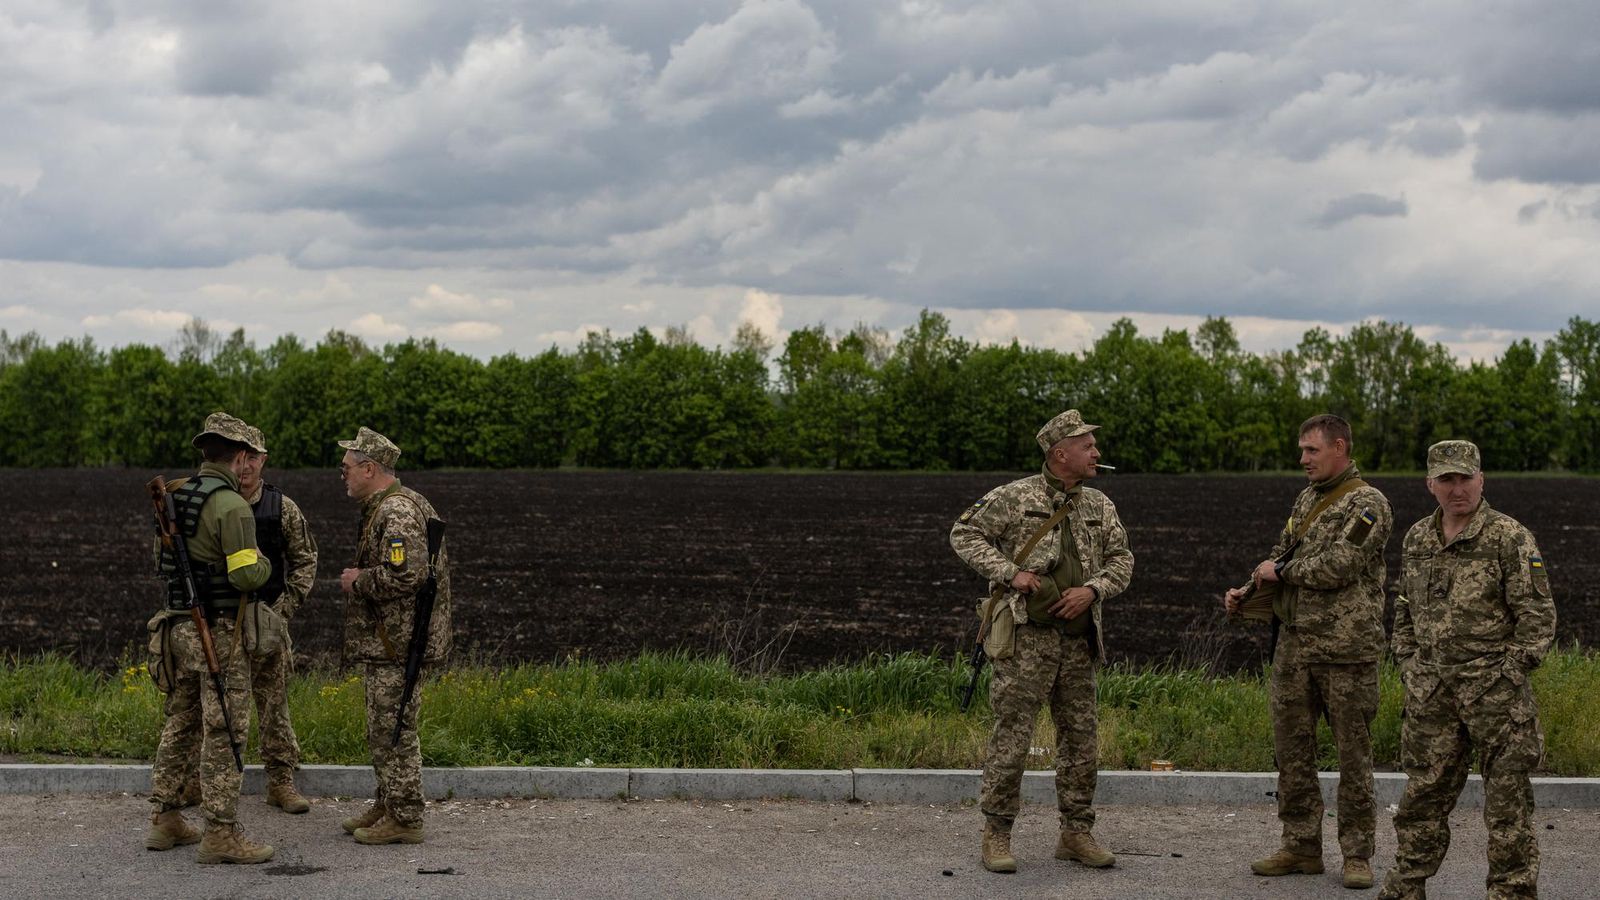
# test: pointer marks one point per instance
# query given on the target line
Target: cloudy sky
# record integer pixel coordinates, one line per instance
(506, 175)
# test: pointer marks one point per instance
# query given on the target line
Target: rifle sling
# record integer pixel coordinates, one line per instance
(1322, 506)
(999, 590)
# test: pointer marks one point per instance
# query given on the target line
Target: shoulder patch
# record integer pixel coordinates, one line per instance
(973, 510)
(1541, 578)
(1362, 528)
(397, 552)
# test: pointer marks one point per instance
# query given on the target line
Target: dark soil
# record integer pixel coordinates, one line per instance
(817, 567)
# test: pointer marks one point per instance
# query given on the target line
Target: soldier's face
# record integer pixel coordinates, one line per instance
(1458, 495)
(1320, 457)
(250, 475)
(1075, 458)
(357, 474)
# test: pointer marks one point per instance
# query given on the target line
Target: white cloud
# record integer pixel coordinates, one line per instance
(764, 311)
(375, 326)
(143, 319)
(467, 332)
(437, 300)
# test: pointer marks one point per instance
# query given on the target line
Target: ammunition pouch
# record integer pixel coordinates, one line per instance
(163, 665)
(998, 625)
(263, 630)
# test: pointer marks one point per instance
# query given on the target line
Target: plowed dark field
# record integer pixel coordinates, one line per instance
(823, 567)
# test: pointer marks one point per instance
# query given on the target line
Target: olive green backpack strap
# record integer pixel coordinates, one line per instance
(1332, 497)
(1027, 548)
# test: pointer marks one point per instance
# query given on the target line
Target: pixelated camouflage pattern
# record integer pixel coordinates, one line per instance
(269, 686)
(1063, 426)
(398, 769)
(194, 720)
(384, 594)
(1337, 573)
(1347, 695)
(988, 535)
(1454, 456)
(233, 428)
(373, 446)
(1481, 600)
(1048, 667)
(1473, 618)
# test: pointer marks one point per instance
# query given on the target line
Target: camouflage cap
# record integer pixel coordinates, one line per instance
(373, 446)
(1453, 456)
(1068, 424)
(233, 428)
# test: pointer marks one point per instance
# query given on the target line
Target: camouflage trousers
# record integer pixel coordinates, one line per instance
(1347, 694)
(269, 684)
(1447, 717)
(194, 724)
(1048, 667)
(398, 768)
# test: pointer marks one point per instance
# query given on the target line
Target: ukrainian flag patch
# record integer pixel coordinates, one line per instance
(1536, 562)
(1368, 518)
(397, 552)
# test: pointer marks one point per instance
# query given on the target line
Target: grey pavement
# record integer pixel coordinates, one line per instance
(91, 845)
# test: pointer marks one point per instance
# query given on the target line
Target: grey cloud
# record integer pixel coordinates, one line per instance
(1356, 205)
(1540, 148)
(1433, 137)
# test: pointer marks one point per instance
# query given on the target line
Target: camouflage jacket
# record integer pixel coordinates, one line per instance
(1337, 572)
(226, 536)
(392, 554)
(1479, 601)
(299, 557)
(988, 535)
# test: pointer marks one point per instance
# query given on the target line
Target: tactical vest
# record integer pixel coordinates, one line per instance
(270, 540)
(210, 579)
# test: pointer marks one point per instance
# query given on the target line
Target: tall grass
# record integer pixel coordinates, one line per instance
(682, 710)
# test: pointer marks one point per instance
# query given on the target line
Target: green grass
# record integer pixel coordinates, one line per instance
(678, 710)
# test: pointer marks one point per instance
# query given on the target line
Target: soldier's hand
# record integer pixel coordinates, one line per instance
(1072, 603)
(347, 579)
(1025, 582)
(1267, 571)
(1232, 600)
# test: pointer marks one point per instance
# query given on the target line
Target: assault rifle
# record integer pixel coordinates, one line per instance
(421, 621)
(173, 539)
(977, 661)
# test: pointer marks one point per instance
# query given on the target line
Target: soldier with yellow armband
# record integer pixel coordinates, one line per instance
(227, 564)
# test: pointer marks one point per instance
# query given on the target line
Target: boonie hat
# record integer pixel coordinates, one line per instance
(1453, 456)
(373, 446)
(233, 428)
(1068, 424)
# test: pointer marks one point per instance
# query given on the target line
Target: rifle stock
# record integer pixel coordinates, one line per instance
(167, 526)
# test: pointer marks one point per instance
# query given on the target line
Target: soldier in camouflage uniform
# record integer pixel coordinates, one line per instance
(1054, 600)
(391, 565)
(1473, 617)
(228, 566)
(1329, 570)
(286, 540)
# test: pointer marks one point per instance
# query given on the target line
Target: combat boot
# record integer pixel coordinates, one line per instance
(997, 847)
(286, 798)
(1357, 873)
(1081, 846)
(366, 820)
(388, 831)
(227, 844)
(1286, 863)
(168, 830)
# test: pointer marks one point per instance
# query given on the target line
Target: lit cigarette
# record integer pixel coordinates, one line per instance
(1104, 466)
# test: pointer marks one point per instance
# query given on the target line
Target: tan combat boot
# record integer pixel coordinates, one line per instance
(286, 798)
(997, 847)
(1286, 863)
(227, 844)
(366, 820)
(1357, 873)
(168, 830)
(388, 831)
(1081, 846)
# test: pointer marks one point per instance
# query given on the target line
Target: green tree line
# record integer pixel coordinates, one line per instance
(1174, 402)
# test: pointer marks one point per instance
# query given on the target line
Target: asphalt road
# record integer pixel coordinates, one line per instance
(88, 846)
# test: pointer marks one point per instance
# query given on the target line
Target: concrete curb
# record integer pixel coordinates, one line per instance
(919, 786)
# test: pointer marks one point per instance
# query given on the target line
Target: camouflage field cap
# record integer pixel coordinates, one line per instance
(233, 428)
(373, 446)
(1068, 424)
(1453, 456)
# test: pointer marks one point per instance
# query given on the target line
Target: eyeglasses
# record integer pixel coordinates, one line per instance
(344, 470)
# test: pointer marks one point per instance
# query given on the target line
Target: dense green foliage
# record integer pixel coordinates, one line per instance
(677, 710)
(1170, 403)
